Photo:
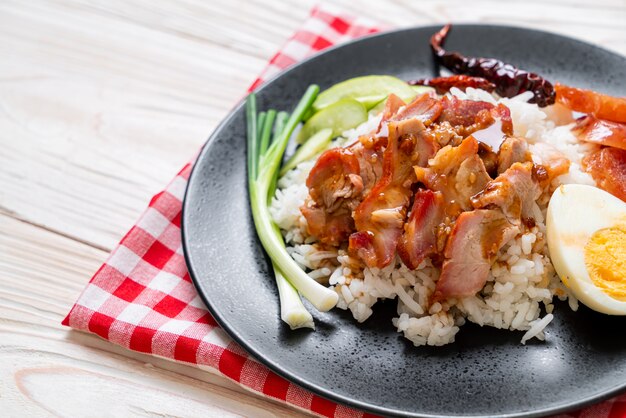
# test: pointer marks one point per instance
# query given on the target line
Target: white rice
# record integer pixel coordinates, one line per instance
(521, 284)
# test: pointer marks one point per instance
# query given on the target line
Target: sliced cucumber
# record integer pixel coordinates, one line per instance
(315, 144)
(416, 91)
(378, 108)
(369, 90)
(422, 89)
(340, 116)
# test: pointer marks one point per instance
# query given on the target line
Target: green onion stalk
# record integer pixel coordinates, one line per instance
(264, 161)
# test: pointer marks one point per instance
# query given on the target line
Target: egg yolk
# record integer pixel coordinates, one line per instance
(605, 258)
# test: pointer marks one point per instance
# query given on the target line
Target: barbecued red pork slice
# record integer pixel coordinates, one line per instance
(488, 123)
(458, 173)
(599, 105)
(424, 107)
(379, 219)
(379, 223)
(490, 159)
(471, 249)
(420, 236)
(608, 168)
(335, 188)
(514, 192)
(503, 114)
(470, 178)
(463, 112)
(491, 129)
(329, 228)
(513, 150)
(335, 178)
(591, 129)
(424, 146)
(392, 105)
(370, 164)
(445, 134)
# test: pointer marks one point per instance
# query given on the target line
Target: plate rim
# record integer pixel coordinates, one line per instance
(275, 367)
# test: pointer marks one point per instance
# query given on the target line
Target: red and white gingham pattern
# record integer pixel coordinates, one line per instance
(142, 297)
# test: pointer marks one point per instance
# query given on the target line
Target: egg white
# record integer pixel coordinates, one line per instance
(575, 212)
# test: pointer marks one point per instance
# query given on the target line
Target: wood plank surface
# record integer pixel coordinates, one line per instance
(101, 102)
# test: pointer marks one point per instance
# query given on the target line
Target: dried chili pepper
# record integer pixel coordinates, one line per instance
(444, 84)
(509, 80)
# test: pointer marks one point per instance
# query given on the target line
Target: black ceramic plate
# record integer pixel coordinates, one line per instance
(486, 372)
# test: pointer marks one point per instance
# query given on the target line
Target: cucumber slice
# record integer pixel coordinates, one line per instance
(315, 144)
(422, 89)
(369, 90)
(340, 116)
(417, 90)
(378, 108)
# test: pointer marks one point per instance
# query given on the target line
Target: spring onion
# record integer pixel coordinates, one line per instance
(266, 131)
(260, 121)
(292, 310)
(279, 126)
(281, 121)
(262, 173)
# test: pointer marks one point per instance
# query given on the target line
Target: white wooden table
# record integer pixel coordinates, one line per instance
(101, 102)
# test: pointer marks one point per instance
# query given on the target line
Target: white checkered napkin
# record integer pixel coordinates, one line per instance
(142, 297)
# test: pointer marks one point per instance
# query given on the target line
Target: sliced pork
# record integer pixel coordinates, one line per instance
(597, 104)
(503, 115)
(608, 168)
(457, 173)
(380, 217)
(424, 108)
(513, 150)
(471, 249)
(514, 192)
(421, 232)
(335, 188)
(392, 105)
(370, 164)
(591, 129)
(466, 113)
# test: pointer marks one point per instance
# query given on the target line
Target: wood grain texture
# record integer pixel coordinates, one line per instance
(101, 102)
(46, 369)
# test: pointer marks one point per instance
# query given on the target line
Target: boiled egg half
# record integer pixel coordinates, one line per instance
(586, 232)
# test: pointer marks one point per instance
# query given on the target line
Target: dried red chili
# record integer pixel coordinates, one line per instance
(509, 80)
(444, 84)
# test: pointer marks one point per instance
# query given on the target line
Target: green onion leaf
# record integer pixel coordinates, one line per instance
(320, 296)
(266, 131)
(281, 121)
(260, 121)
(251, 128)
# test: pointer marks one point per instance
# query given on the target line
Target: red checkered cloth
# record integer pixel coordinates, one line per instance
(142, 297)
